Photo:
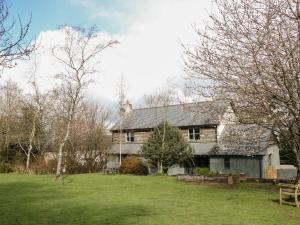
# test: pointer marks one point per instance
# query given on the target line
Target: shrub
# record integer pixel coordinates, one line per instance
(133, 165)
(201, 171)
(40, 166)
(5, 168)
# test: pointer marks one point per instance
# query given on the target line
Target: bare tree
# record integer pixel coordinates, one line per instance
(249, 56)
(78, 55)
(12, 46)
(163, 97)
(36, 104)
(11, 99)
(121, 95)
(87, 147)
(97, 139)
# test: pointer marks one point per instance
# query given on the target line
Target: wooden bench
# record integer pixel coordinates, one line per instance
(291, 190)
(111, 171)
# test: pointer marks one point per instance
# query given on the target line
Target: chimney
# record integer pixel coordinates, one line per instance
(127, 107)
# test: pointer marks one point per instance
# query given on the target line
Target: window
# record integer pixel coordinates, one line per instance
(130, 136)
(226, 163)
(194, 134)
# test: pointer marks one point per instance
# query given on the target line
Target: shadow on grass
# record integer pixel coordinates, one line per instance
(31, 203)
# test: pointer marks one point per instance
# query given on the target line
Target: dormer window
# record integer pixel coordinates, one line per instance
(130, 136)
(194, 134)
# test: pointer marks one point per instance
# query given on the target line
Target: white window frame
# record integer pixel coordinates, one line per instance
(129, 136)
(194, 133)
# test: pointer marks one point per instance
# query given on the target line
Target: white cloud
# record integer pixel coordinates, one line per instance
(149, 52)
(97, 11)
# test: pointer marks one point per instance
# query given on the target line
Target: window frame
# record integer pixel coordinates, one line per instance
(129, 136)
(194, 133)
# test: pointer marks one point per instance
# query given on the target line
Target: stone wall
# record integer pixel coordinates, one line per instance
(207, 135)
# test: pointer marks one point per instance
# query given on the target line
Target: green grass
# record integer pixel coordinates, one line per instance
(108, 199)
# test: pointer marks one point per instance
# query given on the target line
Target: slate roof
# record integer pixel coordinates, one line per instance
(242, 139)
(194, 114)
(127, 148)
(202, 148)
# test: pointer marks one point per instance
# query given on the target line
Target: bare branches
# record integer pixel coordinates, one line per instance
(79, 56)
(13, 46)
(162, 97)
(250, 53)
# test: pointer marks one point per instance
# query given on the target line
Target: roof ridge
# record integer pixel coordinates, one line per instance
(172, 105)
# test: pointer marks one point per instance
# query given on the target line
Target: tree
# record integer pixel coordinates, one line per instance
(11, 99)
(122, 88)
(168, 150)
(87, 146)
(12, 46)
(249, 56)
(163, 97)
(34, 106)
(79, 56)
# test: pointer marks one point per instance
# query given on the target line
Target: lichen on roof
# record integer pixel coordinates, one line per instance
(181, 115)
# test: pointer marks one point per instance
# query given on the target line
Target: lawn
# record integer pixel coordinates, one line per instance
(112, 199)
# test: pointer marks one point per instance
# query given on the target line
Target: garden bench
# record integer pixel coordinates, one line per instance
(111, 171)
(291, 190)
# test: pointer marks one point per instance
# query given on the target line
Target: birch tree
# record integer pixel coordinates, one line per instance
(163, 97)
(249, 56)
(121, 95)
(79, 56)
(35, 103)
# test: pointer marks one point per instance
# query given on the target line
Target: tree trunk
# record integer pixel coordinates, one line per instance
(163, 146)
(7, 138)
(28, 158)
(60, 152)
(158, 166)
(30, 141)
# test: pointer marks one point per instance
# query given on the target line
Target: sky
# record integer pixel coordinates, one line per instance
(150, 33)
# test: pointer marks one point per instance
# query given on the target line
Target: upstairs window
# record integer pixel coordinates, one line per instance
(194, 134)
(226, 163)
(130, 136)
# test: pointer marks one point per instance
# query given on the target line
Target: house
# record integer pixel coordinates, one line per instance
(218, 140)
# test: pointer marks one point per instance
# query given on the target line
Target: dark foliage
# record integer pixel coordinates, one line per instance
(5, 168)
(168, 150)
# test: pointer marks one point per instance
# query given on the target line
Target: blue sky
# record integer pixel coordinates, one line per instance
(113, 16)
(150, 33)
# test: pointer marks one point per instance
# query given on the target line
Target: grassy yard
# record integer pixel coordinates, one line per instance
(107, 199)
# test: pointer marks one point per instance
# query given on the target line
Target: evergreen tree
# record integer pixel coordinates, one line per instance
(166, 146)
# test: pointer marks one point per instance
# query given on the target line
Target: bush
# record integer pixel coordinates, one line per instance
(133, 165)
(5, 168)
(201, 171)
(40, 166)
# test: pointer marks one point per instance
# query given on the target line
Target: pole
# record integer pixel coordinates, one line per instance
(121, 121)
